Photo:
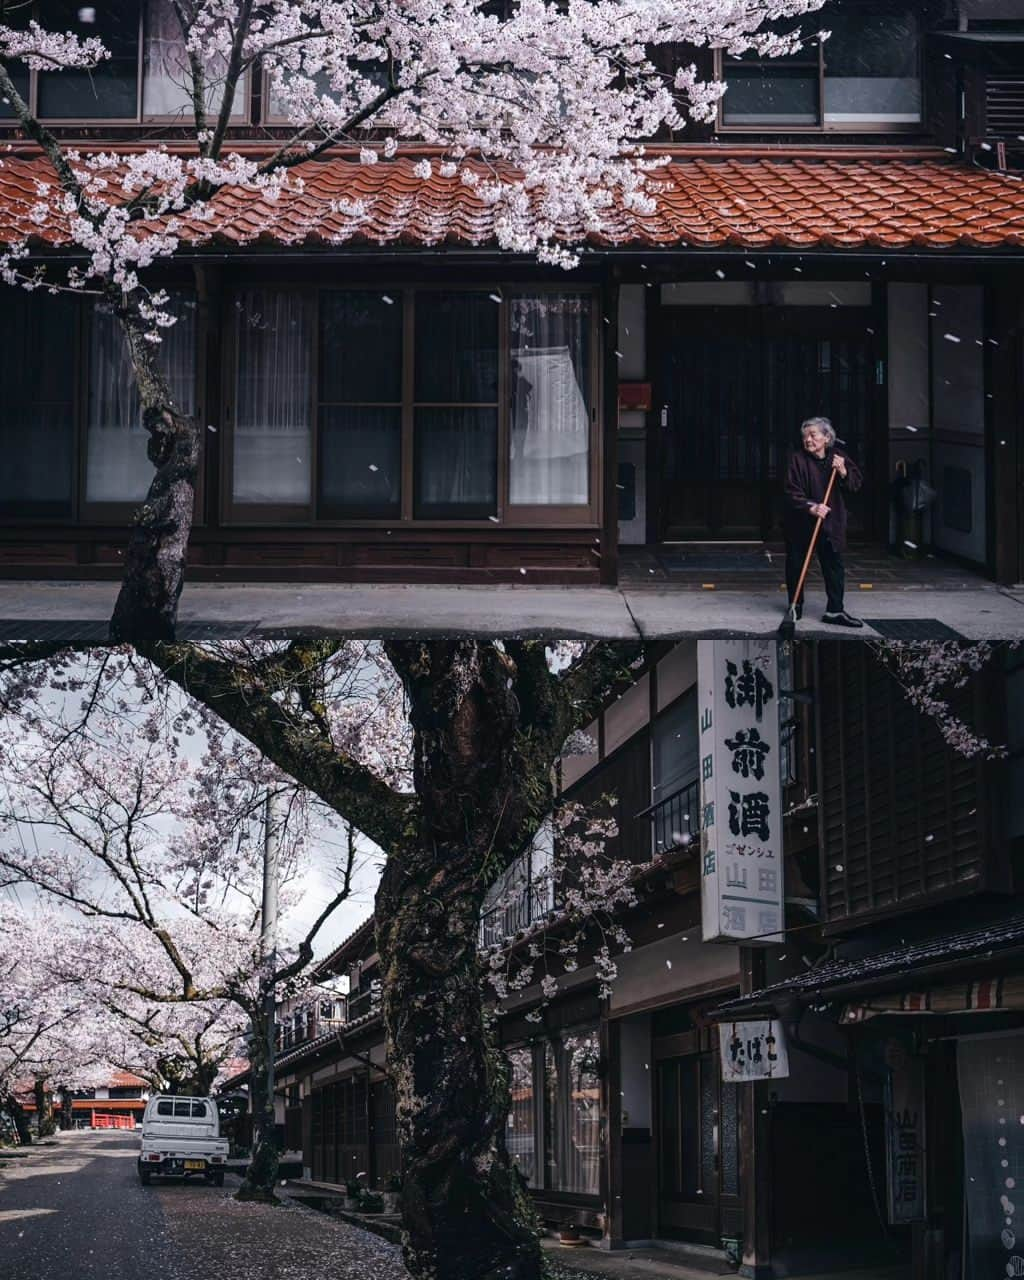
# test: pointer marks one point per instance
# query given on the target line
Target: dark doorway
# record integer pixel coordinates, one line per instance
(697, 1141)
(736, 383)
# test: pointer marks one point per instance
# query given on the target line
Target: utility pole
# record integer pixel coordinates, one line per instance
(268, 939)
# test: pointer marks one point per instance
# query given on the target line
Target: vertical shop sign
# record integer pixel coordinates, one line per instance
(741, 791)
(905, 1139)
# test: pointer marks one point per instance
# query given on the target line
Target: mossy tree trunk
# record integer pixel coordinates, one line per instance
(464, 1211)
(488, 721)
(154, 570)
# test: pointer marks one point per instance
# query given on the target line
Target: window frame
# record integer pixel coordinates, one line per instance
(77, 426)
(507, 515)
(241, 116)
(93, 513)
(824, 127)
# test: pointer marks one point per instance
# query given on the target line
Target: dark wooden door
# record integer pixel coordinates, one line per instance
(713, 439)
(736, 384)
(697, 1140)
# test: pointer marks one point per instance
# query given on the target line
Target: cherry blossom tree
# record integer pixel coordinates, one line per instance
(140, 816)
(542, 109)
(48, 1032)
(932, 674)
(441, 752)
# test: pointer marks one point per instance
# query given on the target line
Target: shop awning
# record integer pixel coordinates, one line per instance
(815, 199)
(987, 995)
(974, 969)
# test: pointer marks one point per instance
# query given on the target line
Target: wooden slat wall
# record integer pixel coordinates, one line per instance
(903, 816)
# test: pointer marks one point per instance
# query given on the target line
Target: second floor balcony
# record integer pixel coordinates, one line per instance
(675, 819)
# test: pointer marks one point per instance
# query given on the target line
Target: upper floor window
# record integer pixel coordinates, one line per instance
(146, 77)
(390, 405)
(866, 76)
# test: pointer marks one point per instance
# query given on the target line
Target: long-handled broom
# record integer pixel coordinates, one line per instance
(787, 628)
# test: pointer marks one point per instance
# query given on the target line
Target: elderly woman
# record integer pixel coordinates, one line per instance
(807, 478)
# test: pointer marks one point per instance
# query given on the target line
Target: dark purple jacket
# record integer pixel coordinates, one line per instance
(806, 481)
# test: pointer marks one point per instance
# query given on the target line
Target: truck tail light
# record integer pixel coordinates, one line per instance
(153, 1156)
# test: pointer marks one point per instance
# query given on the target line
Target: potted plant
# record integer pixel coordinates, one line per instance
(392, 1192)
(371, 1202)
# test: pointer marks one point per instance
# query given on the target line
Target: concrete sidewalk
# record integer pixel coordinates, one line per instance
(76, 611)
(667, 1264)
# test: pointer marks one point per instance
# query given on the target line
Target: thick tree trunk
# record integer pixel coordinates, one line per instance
(146, 611)
(44, 1109)
(20, 1117)
(465, 1213)
(261, 1174)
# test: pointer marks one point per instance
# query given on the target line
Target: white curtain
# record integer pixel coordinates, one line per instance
(166, 83)
(573, 1112)
(273, 436)
(550, 437)
(117, 468)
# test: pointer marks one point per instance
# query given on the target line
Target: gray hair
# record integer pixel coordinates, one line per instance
(823, 425)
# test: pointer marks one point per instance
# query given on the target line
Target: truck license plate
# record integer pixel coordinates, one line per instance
(195, 1164)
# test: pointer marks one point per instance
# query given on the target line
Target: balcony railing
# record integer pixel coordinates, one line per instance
(517, 911)
(289, 1035)
(675, 820)
(364, 1002)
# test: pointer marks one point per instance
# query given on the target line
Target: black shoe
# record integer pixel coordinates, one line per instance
(842, 619)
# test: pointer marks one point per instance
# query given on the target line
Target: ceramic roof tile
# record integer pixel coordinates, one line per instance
(700, 203)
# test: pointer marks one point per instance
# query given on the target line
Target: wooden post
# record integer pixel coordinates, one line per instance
(1005, 453)
(755, 1153)
(611, 1109)
(608, 422)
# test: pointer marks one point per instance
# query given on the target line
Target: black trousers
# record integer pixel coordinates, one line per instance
(831, 570)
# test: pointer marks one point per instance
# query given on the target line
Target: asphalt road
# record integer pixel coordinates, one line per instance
(77, 1211)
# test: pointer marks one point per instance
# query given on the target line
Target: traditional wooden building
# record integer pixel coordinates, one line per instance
(899, 969)
(390, 398)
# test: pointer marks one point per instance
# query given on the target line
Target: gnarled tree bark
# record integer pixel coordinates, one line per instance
(146, 611)
(465, 1213)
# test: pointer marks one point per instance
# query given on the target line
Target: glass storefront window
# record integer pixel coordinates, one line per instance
(572, 1112)
(520, 1136)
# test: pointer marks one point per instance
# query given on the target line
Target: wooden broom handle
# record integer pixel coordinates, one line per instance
(814, 537)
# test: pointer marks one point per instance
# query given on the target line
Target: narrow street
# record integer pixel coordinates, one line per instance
(77, 1211)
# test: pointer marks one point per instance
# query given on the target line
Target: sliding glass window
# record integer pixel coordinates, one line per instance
(273, 436)
(360, 414)
(549, 437)
(413, 404)
(37, 410)
(456, 405)
(117, 467)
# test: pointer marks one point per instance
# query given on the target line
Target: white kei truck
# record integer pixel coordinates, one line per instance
(181, 1138)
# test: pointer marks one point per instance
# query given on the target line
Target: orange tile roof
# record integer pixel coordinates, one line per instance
(739, 202)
